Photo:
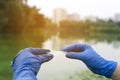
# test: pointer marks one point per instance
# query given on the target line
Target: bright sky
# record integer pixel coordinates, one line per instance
(100, 8)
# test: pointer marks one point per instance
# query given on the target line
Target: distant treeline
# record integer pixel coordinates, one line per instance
(96, 30)
(88, 26)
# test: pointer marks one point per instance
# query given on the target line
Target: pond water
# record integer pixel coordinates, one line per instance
(60, 66)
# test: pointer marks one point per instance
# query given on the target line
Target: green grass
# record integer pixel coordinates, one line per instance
(85, 75)
(8, 49)
(6, 55)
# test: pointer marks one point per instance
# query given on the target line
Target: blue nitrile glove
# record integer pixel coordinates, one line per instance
(27, 62)
(94, 62)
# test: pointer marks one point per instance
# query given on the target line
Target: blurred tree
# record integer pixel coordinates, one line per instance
(3, 16)
(17, 16)
(118, 23)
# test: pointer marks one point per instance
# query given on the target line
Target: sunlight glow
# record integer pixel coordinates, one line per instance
(99, 8)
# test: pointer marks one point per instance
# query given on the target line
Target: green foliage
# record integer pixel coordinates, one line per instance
(17, 17)
(118, 23)
(3, 16)
(85, 75)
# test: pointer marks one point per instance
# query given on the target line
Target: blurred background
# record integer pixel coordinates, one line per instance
(52, 24)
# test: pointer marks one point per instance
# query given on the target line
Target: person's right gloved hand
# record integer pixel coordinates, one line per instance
(94, 62)
(27, 62)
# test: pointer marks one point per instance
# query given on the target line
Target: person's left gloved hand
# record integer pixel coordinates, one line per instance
(27, 62)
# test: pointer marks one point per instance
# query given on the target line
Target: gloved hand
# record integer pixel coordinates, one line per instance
(27, 62)
(94, 62)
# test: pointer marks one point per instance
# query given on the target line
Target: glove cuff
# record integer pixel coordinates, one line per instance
(110, 68)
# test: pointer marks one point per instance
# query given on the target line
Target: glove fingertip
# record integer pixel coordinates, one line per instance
(72, 55)
(46, 57)
(40, 51)
(50, 55)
